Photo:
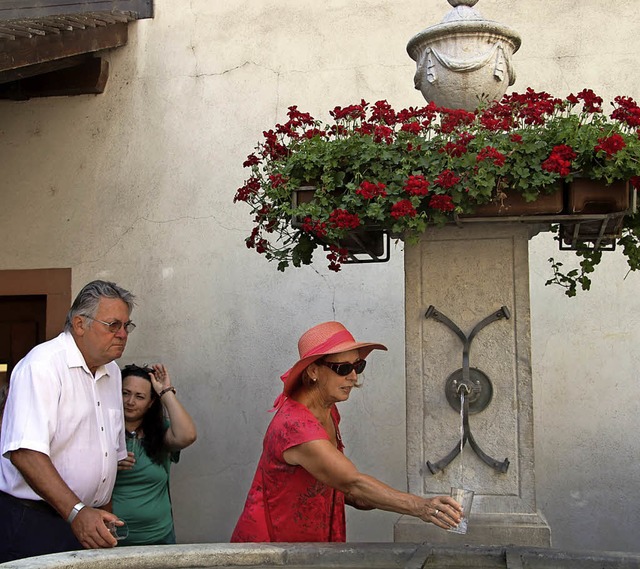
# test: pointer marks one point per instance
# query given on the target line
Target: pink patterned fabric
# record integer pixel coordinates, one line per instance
(285, 503)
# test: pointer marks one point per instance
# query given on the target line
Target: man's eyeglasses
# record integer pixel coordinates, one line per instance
(115, 326)
(345, 368)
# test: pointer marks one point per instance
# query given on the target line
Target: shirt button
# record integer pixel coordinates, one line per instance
(104, 480)
(98, 403)
(102, 428)
(106, 454)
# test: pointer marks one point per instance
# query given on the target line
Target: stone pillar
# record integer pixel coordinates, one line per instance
(467, 273)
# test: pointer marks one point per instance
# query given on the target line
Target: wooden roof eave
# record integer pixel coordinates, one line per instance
(44, 46)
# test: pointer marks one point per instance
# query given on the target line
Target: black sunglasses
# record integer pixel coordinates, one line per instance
(345, 368)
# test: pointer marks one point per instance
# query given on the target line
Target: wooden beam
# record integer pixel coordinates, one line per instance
(38, 49)
(88, 77)
(13, 9)
(12, 75)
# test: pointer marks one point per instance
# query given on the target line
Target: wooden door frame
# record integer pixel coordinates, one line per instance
(55, 284)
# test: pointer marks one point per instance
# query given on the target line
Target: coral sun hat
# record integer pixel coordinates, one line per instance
(322, 340)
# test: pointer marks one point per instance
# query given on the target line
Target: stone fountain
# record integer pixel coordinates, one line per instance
(458, 280)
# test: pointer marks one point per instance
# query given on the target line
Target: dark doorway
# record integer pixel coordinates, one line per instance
(22, 326)
(33, 308)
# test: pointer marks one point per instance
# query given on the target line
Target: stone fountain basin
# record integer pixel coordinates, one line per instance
(325, 556)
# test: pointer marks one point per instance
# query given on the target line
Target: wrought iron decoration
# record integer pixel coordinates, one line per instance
(474, 384)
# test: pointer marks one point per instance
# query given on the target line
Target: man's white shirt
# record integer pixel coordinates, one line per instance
(57, 407)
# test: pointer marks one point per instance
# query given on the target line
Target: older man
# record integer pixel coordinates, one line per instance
(63, 431)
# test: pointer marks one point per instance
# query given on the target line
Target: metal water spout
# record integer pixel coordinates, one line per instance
(465, 59)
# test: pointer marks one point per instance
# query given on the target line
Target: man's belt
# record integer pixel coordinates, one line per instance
(39, 505)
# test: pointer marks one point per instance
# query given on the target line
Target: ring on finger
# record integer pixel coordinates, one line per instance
(436, 513)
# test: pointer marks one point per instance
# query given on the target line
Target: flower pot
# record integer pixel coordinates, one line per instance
(593, 197)
(515, 204)
(304, 194)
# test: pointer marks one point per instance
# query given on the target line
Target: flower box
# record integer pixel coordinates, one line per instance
(404, 171)
(514, 204)
(594, 196)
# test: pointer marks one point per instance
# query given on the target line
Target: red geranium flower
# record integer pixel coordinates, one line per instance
(403, 208)
(342, 219)
(369, 190)
(412, 127)
(251, 160)
(417, 185)
(251, 187)
(383, 133)
(560, 160)
(491, 153)
(336, 257)
(627, 111)
(317, 228)
(447, 179)
(277, 180)
(610, 144)
(442, 202)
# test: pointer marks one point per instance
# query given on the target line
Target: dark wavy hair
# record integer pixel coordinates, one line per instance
(153, 422)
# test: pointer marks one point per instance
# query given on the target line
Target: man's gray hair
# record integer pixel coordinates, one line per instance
(86, 303)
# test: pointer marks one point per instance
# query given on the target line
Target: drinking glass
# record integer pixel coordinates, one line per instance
(119, 532)
(465, 498)
(133, 443)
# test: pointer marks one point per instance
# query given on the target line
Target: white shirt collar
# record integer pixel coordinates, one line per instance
(76, 359)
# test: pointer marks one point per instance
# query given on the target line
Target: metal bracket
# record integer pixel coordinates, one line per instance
(473, 384)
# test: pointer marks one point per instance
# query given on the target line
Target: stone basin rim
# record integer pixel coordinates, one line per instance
(373, 555)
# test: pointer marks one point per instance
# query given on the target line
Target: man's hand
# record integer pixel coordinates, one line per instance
(90, 527)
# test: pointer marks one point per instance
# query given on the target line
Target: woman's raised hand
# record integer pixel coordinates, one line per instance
(160, 378)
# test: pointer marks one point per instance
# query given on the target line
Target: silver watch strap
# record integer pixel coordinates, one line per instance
(75, 511)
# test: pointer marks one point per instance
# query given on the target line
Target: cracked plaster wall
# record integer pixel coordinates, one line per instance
(136, 185)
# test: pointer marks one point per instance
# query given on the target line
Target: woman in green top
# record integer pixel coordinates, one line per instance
(157, 427)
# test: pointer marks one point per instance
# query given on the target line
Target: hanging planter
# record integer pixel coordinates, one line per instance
(586, 196)
(599, 210)
(366, 244)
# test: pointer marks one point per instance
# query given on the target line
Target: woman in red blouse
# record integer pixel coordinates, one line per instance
(303, 479)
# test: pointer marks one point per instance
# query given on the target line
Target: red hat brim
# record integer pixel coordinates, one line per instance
(291, 378)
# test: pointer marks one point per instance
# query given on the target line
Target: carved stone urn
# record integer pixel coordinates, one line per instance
(465, 59)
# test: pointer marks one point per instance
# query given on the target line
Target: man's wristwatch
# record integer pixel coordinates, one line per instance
(74, 512)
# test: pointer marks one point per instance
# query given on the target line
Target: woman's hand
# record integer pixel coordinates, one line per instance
(182, 431)
(160, 378)
(442, 511)
(127, 463)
